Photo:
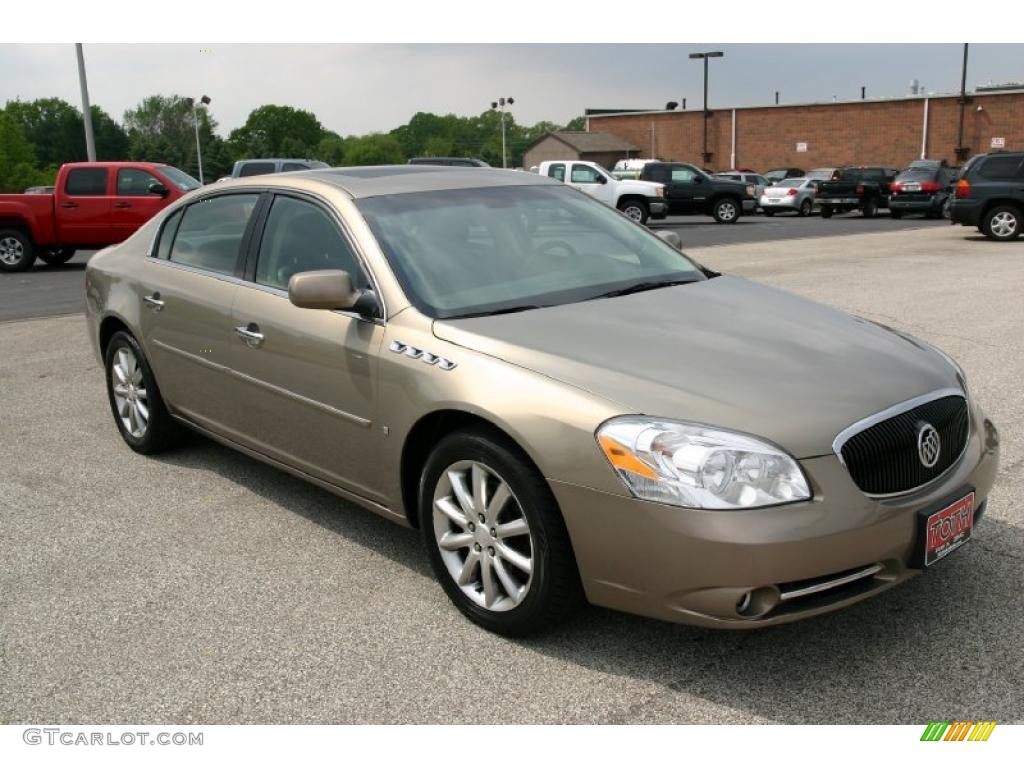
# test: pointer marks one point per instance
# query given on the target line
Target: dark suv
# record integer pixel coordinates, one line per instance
(689, 190)
(990, 195)
(923, 187)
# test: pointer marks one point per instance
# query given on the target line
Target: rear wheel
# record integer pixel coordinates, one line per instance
(495, 536)
(726, 211)
(56, 256)
(17, 253)
(826, 212)
(946, 208)
(805, 208)
(1002, 223)
(635, 209)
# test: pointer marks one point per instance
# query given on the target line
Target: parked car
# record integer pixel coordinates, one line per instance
(630, 168)
(92, 206)
(856, 188)
(759, 182)
(796, 195)
(459, 162)
(778, 174)
(922, 188)
(639, 200)
(822, 174)
(566, 410)
(690, 191)
(259, 167)
(990, 195)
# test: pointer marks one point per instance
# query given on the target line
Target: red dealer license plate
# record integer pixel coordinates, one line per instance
(948, 529)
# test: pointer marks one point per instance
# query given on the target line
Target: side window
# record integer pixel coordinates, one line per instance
(998, 168)
(163, 248)
(584, 174)
(135, 182)
(683, 175)
(557, 171)
(294, 167)
(300, 237)
(256, 169)
(86, 181)
(210, 233)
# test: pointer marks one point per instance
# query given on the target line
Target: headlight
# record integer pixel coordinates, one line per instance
(689, 465)
(659, 192)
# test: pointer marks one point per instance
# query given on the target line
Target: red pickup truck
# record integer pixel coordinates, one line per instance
(93, 205)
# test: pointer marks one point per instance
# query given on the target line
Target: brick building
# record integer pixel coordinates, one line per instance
(881, 131)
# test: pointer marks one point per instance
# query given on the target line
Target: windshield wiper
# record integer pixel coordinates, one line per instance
(503, 311)
(647, 285)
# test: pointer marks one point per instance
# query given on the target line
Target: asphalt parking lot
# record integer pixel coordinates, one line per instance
(202, 586)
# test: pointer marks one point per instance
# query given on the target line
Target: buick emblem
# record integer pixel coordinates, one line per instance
(928, 445)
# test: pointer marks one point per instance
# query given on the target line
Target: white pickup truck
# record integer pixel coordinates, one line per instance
(639, 200)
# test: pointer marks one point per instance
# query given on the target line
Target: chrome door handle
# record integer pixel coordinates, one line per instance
(122, 205)
(250, 334)
(154, 301)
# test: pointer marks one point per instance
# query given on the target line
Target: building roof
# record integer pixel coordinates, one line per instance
(587, 141)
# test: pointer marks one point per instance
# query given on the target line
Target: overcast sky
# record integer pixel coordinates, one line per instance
(363, 88)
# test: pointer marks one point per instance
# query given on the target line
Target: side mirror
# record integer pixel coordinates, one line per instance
(602, 179)
(322, 289)
(698, 179)
(671, 237)
(156, 188)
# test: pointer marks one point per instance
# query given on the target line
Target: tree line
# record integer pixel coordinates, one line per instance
(36, 137)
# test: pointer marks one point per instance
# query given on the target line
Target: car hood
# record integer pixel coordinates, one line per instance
(725, 351)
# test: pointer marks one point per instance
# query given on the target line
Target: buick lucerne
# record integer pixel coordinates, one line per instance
(565, 405)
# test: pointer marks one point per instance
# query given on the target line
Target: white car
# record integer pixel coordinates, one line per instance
(639, 200)
(795, 195)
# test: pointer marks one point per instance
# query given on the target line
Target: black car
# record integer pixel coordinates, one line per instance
(460, 162)
(990, 195)
(689, 190)
(856, 188)
(922, 188)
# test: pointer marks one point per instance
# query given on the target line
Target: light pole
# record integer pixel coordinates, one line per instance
(195, 119)
(706, 55)
(500, 103)
(961, 150)
(90, 142)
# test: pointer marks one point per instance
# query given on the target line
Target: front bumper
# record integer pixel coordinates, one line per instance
(699, 566)
(657, 208)
(749, 205)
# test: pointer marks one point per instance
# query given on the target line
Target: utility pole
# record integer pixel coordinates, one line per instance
(90, 142)
(961, 150)
(500, 103)
(705, 55)
(195, 120)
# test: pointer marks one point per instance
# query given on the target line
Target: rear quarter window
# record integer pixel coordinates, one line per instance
(256, 169)
(86, 181)
(1000, 168)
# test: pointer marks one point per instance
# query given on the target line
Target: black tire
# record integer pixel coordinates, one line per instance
(1003, 222)
(826, 212)
(805, 208)
(896, 214)
(161, 431)
(636, 210)
(769, 212)
(726, 210)
(946, 208)
(870, 208)
(17, 252)
(56, 256)
(554, 589)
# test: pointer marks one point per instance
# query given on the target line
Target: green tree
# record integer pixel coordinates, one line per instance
(276, 131)
(161, 129)
(57, 134)
(331, 149)
(373, 149)
(576, 124)
(17, 158)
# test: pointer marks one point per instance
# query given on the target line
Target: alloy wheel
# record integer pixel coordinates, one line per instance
(483, 536)
(11, 251)
(726, 211)
(1003, 224)
(634, 212)
(130, 397)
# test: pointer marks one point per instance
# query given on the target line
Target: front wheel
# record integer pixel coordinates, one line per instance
(726, 211)
(1001, 223)
(826, 212)
(635, 210)
(495, 536)
(17, 253)
(56, 256)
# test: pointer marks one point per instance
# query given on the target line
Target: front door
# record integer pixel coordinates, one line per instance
(685, 189)
(134, 204)
(188, 287)
(307, 379)
(588, 179)
(83, 207)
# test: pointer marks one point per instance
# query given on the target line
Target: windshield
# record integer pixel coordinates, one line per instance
(179, 178)
(918, 174)
(479, 251)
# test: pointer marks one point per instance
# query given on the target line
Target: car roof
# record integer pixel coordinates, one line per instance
(375, 180)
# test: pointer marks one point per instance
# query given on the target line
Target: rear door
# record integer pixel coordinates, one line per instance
(308, 377)
(134, 204)
(84, 207)
(187, 291)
